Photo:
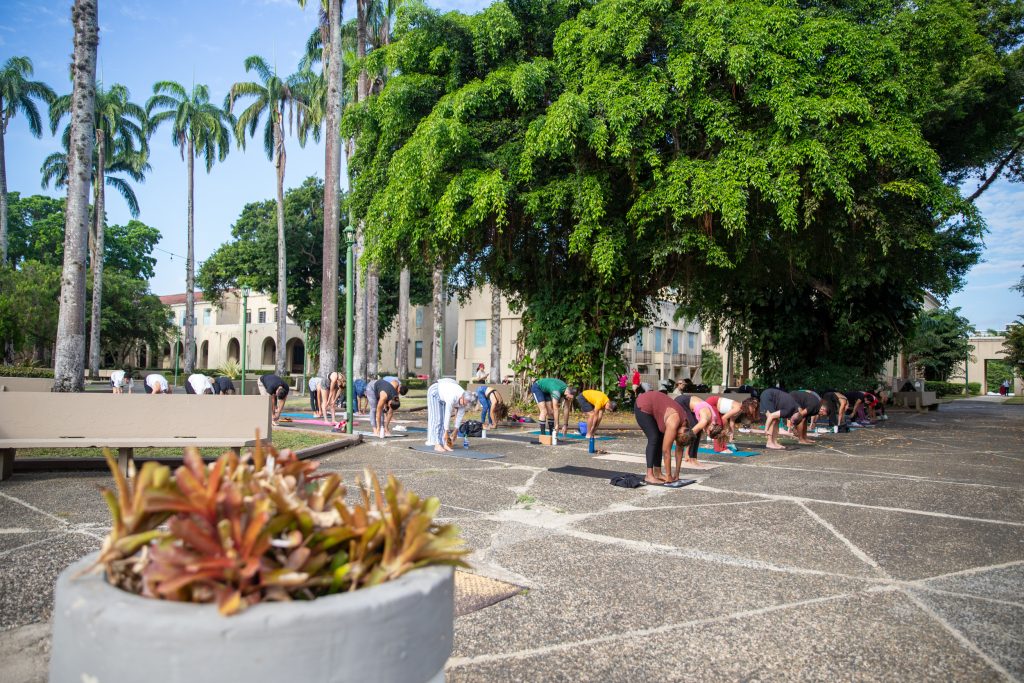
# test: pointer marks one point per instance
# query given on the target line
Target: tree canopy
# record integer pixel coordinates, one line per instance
(785, 170)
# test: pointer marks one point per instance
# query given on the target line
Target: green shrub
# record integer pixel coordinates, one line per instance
(974, 388)
(415, 383)
(945, 388)
(25, 371)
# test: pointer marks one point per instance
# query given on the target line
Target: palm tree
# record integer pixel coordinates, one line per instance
(275, 97)
(119, 125)
(69, 356)
(329, 35)
(198, 128)
(17, 94)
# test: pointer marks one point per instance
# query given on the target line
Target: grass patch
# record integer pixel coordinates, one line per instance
(525, 499)
(1015, 401)
(282, 439)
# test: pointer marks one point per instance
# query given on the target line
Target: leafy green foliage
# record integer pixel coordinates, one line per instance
(263, 528)
(940, 342)
(250, 258)
(996, 372)
(773, 164)
(30, 289)
(710, 367)
(1013, 346)
(25, 371)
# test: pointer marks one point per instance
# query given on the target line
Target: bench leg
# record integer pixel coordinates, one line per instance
(125, 460)
(6, 463)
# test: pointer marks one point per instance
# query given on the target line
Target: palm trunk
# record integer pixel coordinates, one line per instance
(436, 345)
(362, 318)
(69, 356)
(190, 268)
(403, 324)
(3, 189)
(332, 190)
(282, 254)
(495, 374)
(99, 221)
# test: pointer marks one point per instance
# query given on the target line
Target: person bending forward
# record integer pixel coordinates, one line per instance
(444, 398)
(664, 423)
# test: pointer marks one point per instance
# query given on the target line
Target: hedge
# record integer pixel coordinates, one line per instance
(25, 371)
(947, 388)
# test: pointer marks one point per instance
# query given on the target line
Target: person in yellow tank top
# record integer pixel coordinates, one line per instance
(594, 403)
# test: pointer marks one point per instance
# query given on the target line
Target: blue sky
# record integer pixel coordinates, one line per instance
(206, 41)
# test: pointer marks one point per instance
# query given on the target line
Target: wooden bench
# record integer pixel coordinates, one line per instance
(49, 420)
(922, 400)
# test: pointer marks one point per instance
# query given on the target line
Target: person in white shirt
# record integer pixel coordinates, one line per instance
(444, 398)
(198, 384)
(118, 380)
(157, 384)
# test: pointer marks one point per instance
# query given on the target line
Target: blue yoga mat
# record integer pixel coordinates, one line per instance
(580, 437)
(740, 454)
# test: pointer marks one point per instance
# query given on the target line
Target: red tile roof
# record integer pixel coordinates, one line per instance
(172, 299)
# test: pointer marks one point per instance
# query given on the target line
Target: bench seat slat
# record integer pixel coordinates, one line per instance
(94, 442)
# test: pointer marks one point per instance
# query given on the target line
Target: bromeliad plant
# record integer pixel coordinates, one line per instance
(263, 527)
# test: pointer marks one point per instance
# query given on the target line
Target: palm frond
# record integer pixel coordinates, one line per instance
(125, 191)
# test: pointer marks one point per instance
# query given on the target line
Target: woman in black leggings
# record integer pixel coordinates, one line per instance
(664, 422)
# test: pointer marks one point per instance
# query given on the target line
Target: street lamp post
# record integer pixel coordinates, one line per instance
(350, 277)
(245, 321)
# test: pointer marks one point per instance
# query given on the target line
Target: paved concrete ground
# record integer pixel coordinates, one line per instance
(894, 553)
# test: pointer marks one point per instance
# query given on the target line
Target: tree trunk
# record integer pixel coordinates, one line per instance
(332, 190)
(99, 221)
(403, 324)
(69, 356)
(495, 375)
(3, 190)
(190, 269)
(436, 345)
(282, 254)
(372, 322)
(359, 350)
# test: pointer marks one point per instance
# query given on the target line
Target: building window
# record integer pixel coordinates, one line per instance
(640, 340)
(479, 333)
(275, 314)
(261, 315)
(183, 320)
(419, 318)
(675, 341)
(658, 338)
(248, 316)
(691, 340)
(419, 355)
(206, 316)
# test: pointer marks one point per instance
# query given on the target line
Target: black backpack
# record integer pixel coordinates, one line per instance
(471, 428)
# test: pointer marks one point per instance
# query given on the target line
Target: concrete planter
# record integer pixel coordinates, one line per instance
(397, 632)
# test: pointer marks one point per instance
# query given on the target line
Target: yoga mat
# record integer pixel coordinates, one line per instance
(578, 437)
(739, 454)
(595, 473)
(458, 453)
(521, 438)
(371, 435)
(641, 460)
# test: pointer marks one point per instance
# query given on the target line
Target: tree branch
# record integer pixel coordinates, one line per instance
(996, 171)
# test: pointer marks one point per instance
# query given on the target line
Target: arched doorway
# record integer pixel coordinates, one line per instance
(234, 352)
(165, 357)
(296, 352)
(204, 354)
(269, 351)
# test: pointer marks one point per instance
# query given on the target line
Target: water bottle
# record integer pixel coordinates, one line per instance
(554, 436)
(465, 441)
(590, 446)
(483, 433)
